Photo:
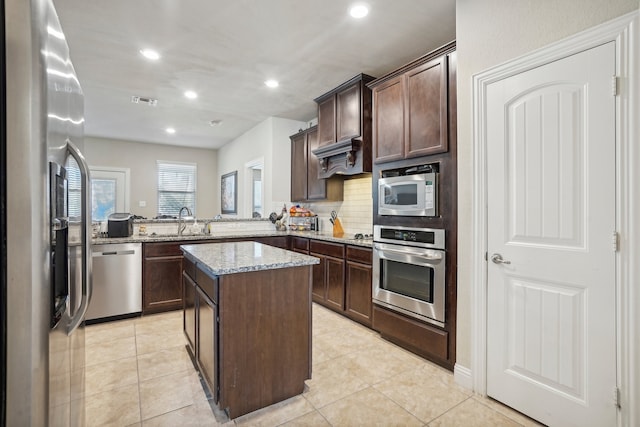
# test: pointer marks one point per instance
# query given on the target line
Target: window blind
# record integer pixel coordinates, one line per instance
(176, 187)
(74, 189)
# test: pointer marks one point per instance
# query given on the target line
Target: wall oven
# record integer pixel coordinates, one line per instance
(409, 271)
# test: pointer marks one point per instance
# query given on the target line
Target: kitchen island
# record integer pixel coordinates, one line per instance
(247, 320)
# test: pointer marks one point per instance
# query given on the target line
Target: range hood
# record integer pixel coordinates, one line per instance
(350, 156)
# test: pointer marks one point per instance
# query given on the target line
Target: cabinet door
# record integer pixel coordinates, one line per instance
(348, 114)
(316, 188)
(299, 167)
(426, 109)
(334, 278)
(358, 292)
(388, 121)
(189, 298)
(162, 284)
(327, 121)
(207, 343)
(318, 289)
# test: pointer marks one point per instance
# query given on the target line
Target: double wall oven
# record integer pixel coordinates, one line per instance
(409, 270)
(409, 261)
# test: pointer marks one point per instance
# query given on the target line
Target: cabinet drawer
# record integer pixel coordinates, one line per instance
(300, 243)
(208, 285)
(162, 249)
(419, 337)
(357, 254)
(335, 250)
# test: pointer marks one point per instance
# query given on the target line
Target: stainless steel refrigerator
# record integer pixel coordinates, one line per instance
(46, 284)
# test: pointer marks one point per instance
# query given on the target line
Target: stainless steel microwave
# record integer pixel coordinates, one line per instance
(408, 195)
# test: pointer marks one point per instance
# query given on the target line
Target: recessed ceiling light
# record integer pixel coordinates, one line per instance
(191, 94)
(272, 83)
(215, 123)
(359, 11)
(170, 131)
(150, 54)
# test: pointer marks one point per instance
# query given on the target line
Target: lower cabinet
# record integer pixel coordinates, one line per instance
(189, 313)
(427, 341)
(161, 272)
(234, 326)
(328, 276)
(207, 343)
(200, 321)
(342, 280)
(358, 278)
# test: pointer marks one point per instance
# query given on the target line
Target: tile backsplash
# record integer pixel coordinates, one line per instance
(355, 212)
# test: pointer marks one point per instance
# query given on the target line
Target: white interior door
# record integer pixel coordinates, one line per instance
(551, 337)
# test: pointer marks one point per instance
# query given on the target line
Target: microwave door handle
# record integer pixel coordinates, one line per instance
(87, 285)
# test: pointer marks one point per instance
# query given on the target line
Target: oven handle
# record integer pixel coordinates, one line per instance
(429, 255)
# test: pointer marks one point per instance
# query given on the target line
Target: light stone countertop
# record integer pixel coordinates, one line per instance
(240, 257)
(346, 239)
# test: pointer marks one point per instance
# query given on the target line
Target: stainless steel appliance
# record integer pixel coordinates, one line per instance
(47, 259)
(117, 281)
(403, 193)
(409, 271)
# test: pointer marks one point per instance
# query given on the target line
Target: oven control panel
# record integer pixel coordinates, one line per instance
(424, 237)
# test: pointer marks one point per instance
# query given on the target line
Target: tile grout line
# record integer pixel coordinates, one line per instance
(135, 340)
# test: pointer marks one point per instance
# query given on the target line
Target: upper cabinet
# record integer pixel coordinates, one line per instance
(305, 185)
(344, 129)
(410, 113)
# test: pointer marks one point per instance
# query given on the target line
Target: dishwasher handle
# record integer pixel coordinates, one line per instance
(110, 253)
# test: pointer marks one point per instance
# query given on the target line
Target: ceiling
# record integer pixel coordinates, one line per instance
(225, 50)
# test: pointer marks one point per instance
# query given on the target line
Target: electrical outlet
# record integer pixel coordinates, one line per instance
(142, 203)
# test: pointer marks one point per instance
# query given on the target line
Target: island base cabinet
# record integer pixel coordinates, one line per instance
(189, 305)
(264, 337)
(207, 342)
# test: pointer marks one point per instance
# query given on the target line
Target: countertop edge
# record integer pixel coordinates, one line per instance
(367, 243)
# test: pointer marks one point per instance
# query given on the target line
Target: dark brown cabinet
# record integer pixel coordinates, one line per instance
(247, 359)
(345, 112)
(207, 341)
(305, 184)
(344, 129)
(281, 242)
(358, 303)
(328, 276)
(161, 277)
(410, 113)
(189, 302)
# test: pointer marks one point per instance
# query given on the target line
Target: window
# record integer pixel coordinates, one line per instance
(176, 187)
(74, 189)
(109, 191)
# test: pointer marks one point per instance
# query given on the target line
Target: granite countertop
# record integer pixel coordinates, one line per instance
(150, 238)
(240, 257)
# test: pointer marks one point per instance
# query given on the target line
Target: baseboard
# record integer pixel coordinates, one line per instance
(462, 376)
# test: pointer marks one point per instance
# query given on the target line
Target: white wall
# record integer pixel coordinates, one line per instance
(488, 33)
(141, 159)
(270, 141)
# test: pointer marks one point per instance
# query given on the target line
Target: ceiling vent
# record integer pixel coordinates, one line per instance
(142, 100)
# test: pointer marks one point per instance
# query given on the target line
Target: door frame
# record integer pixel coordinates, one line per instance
(624, 32)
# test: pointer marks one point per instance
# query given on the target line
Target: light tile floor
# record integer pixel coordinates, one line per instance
(139, 374)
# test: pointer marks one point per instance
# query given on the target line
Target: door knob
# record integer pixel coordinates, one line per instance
(497, 259)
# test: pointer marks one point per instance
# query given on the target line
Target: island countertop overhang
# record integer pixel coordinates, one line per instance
(240, 257)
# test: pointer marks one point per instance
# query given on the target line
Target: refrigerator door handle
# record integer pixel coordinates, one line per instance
(87, 285)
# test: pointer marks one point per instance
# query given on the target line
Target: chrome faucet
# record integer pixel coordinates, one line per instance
(181, 224)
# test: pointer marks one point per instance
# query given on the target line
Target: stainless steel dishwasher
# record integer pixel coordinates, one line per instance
(117, 280)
